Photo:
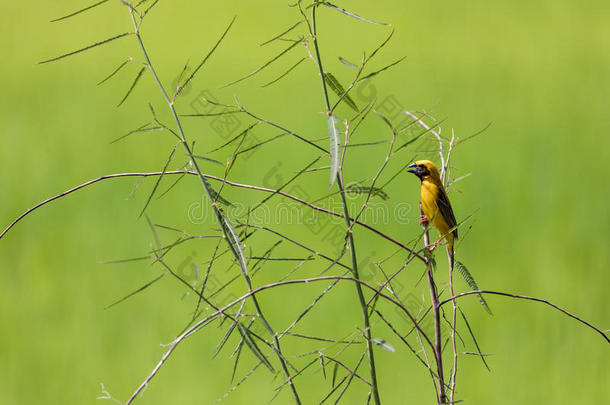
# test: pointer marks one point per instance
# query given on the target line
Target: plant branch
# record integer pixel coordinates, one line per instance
(525, 297)
(438, 349)
(350, 236)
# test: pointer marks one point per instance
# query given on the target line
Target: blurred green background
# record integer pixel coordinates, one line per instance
(538, 190)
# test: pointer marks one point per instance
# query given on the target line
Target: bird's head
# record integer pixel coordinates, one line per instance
(423, 169)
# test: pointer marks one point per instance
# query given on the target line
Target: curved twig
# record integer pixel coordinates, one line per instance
(230, 183)
(525, 297)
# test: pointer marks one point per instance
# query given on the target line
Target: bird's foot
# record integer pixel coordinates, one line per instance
(423, 220)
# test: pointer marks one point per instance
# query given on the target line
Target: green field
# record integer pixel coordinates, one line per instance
(535, 202)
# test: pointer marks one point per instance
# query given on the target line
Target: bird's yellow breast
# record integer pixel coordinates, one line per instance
(429, 198)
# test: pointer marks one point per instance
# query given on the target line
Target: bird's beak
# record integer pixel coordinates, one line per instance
(411, 168)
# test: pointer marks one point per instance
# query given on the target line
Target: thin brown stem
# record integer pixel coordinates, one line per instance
(206, 176)
(453, 327)
(525, 297)
(438, 349)
(350, 236)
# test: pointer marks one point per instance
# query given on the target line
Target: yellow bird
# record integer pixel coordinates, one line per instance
(434, 202)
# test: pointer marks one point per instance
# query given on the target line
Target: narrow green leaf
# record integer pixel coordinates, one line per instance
(284, 74)
(375, 73)
(236, 137)
(471, 283)
(218, 197)
(114, 72)
(387, 121)
(356, 16)
(245, 333)
(212, 114)
(133, 85)
(238, 350)
(133, 259)
(224, 339)
(85, 48)
(338, 89)
(171, 186)
(374, 191)
(149, 8)
(333, 134)
(152, 193)
(248, 149)
(154, 232)
(335, 368)
(255, 71)
(348, 63)
(282, 34)
(322, 365)
(381, 45)
(144, 287)
(481, 355)
(383, 344)
(80, 11)
(188, 80)
(234, 242)
(207, 159)
(143, 128)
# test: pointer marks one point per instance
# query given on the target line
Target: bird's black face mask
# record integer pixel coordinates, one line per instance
(420, 171)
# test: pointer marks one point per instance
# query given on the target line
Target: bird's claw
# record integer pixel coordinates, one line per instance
(423, 220)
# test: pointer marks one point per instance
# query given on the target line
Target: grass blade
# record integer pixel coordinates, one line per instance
(255, 71)
(282, 34)
(471, 283)
(322, 365)
(133, 85)
(217, 197)
(143, 128)
(239, 347)
(188, 80)
(356, 16)
(333, 134)
(234, 242)
(245, 334)
(224, 339)
(334, 378)
(207, 159)
(152, 193)
(336, 87)
(131, 294)
(474, 339)
(82, 10)
(248, 149)
(375, 73)
(374, 191)
(284, 74)
(236, 137)
(348, 63)
(381, 45)
(383, 344)
(114, 72)
(86, 48)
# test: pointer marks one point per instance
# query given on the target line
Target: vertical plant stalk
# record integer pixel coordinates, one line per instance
(209, 192)
(350, 237)
(453, 326)
(451, 256)
(438, 344)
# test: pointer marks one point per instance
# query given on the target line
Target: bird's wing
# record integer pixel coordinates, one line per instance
(444, 206)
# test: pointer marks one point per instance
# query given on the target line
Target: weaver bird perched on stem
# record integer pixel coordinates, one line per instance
(435, 205)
